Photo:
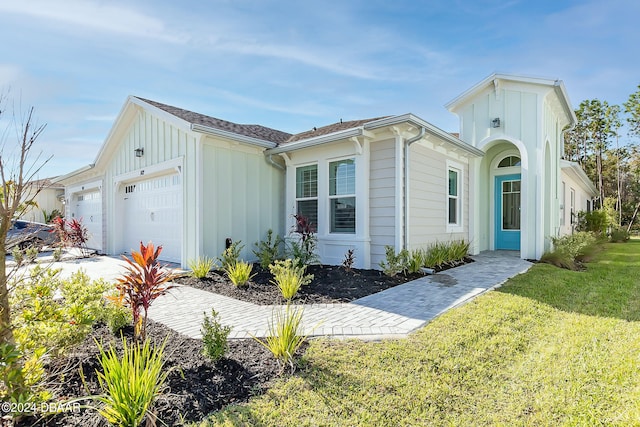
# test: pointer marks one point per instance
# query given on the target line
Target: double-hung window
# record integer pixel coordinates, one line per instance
(307, 193)
(342, 196)
(454, 208)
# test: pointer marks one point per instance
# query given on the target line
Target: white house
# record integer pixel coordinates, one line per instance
(48, 199)
(190, 181)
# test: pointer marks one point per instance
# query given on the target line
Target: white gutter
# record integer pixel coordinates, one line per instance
(230, 135)
(405, 226)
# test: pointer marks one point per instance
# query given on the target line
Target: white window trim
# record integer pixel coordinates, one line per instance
(330, 197)
(572, 201)
(563, 202)
(295, 189)
(459, 168)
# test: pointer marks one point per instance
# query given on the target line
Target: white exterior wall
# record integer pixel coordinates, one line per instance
(243, 197)
(48, 199)
(531, 121)
(428, 195)
(382, 198)
(581, 197)
(80, 185)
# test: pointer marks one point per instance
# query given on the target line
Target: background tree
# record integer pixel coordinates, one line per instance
(18, 168)
(632, 108)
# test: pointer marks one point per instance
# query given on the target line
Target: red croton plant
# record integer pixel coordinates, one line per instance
(144, 281)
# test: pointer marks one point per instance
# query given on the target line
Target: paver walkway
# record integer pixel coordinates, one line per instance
(394, 312)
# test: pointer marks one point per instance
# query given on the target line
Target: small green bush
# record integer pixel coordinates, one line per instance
(57, 254)
(395, 263)
(268, 250)
(201, 266)
(214, 337)
(285, 336)
(117, 315)
(595, 221)
(21, 376)
(443, 253)
(130, 384)
(415, 261)
(231, 255)
(31, 253)
(239, 273)
(18, 255)
(44, 317)
(571, 249)
(619, 235)
(289, 277)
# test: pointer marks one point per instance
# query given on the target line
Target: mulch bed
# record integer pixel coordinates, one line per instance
(330, 284)
(196, 386)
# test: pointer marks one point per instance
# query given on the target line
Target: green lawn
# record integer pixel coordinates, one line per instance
(551, 347)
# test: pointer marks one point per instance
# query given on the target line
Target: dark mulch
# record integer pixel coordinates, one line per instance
(196, 386)
(330, 284)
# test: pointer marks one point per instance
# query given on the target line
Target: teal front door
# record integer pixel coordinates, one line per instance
(507, 209)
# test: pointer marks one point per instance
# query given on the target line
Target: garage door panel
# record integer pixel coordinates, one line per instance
(88, 210)
(153, 212)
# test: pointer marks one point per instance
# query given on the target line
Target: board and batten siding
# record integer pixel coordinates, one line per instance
(243, 197)
(163, 142)
(428, 197)
(382, 198)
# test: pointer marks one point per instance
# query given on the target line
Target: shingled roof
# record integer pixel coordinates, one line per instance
(253, 131)
(335, 127)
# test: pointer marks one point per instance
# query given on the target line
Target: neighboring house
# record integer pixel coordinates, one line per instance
(49, 197)
(190, 181)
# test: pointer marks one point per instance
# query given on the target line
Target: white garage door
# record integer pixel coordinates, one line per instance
(88, 208)
(153, 212)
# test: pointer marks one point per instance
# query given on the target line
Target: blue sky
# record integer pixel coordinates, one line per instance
(293, 65)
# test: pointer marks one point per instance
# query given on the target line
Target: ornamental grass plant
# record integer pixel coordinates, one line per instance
(130, 383)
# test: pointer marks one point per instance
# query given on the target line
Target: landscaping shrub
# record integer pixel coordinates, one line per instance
(303, 248)
(214, 337)
(268, 250)
(619, 235)
(57, 254)
(130, 384)
(21, 378)
(439, 254)
(349, 260)
(44, 318)
(201, 266)
(395, 263)
(144, 281)
(595, 221)
(415, 261)
(571, 249)
(285, 336)
(231, 255)
(31, 253)
(71, 233)
(117, 315)
(289, 277)
(239, 272)
(18, 255)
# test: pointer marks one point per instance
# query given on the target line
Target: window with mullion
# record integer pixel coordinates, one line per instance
(307, 192)
(342, 196)
(453, 207)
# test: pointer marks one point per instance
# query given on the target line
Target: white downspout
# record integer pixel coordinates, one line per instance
(405, 226)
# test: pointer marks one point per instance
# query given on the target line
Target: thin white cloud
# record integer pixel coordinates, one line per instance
(98, 16)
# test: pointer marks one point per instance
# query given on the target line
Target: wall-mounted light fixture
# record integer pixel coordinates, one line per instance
(139, 152)
(495, 123)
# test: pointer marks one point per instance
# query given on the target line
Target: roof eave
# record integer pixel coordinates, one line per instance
(74, 173)
(318, 140)
(580, 174)
(433, 130)
(234, 136)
